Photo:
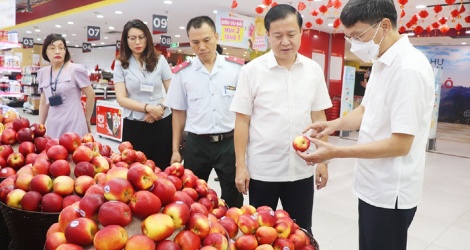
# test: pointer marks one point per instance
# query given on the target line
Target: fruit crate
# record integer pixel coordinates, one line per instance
(27, 229)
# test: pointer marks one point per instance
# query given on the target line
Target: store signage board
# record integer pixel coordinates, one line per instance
(165, 41)
(174, 45)
(159, 24)
(93, 33)
(118, 45)
(28, 42)
(86, 47)
(8, 13)
(347, 93)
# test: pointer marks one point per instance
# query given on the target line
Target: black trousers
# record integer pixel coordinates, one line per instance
(153, 139)
(296, 198)
(201, 156)
(382, 228)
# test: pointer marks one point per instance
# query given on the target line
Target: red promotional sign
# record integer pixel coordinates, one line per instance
(109, 121)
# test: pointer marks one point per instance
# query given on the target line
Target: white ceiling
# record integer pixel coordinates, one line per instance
(180, 11)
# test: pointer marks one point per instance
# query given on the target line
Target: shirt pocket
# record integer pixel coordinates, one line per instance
(227, 96)
(195, 99)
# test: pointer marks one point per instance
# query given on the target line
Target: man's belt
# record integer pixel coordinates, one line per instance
(214, 137)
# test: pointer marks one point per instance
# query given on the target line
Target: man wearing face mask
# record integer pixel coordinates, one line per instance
(394, 120)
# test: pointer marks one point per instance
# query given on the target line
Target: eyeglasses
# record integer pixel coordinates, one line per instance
(358, 38)
(53, 49)
(135, 38)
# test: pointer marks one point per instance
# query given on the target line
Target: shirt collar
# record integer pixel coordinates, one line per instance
(394, 50)
(272, 62)
(218, 62)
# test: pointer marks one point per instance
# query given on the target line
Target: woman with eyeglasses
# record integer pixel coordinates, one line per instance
(140, 75)
(61, 86)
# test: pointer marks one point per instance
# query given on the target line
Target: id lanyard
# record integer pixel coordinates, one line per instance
(54, 88)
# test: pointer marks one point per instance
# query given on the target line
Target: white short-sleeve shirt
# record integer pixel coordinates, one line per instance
(205, 96)
(399, 98)
(280, 102)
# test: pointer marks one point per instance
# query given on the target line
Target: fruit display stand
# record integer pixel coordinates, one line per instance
(5, 238)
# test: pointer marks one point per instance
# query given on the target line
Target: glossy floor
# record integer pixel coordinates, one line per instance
(442, 220)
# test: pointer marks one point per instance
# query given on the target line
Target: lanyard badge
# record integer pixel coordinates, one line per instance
(55, 100)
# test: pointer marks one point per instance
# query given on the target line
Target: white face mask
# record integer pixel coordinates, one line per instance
(366, 51)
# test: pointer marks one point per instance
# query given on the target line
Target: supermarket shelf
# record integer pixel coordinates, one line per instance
(9, 45)
(9, 69)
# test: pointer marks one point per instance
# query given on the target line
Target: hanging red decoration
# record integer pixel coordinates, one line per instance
(435, 25)
(437, 8)
(442, 20)
(409, 25)
(314, 13)
(444, 29)
(455, 13)
(323, 9)
(402, 3)
(402, 14)
(462, 9)
(458, 27)
(423, 14)
(97, 67)
(414, 19)
(267, 2)
(467, 19)
(259, 10)
(418, 30)
(429, 29)
(336, 23)
(112, 64)
(234, 4)
(337, 4)
(402, 29)
(329, 4)
(274, 4)
(450, 2)
(301, 6)
(308, 25)
(319, 21)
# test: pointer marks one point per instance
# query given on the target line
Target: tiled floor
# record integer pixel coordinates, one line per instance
(442, 221)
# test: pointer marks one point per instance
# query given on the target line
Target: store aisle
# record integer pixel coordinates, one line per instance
(442, 221)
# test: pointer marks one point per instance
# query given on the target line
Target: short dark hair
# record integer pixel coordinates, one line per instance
(368, 11)
(50, 39)
(219, 49)
(279, 12)
(149, 56)
(198, 21)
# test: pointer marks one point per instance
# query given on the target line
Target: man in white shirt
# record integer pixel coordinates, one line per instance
(278, 94)
(394, 120)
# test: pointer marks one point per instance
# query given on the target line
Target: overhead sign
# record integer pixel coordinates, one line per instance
(165, 41)
(118, 45)
(8, 13)
(28, 42)
(86, 47)
(174, 45)
(159, 24)
(93, 33)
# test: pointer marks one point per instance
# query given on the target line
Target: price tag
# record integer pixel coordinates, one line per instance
(118, 45)
(159, 24)
(28, 42)
(93, 33)
(86, 47)
(165, 41)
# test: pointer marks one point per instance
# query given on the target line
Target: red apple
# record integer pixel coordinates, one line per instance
(118, 189)
(188, 240)
(114, 213)
(207, 203)
(82, 183)
(23, 181)
(264, 208)
(116, 172)
(41, 183)
(124, 145)
(234, 213)
(70, 199)
(189, 180)
(8, 136)
(264, 247)
(230, 226)
(128, 155)
(219, 212)
(39, 129)
(110, 237)
(53, 228)
(54, 240)
(167, 245)
(84, 168)
(70, 141)
(88, 137)
(81, 231)
(247, 224)
(51, 203)
(100, 163)
(179, 212)
(247, 241)
(217, 240)
(41, 166)
(298, 238)
(141, 242)
(248, 209)
(152, 165)
(63, 185)
(144, 203)
(266, 235)
(30, 158)
(283, 229)
(50, 143)
(20, 123)
(25, 135)
(164, 190)
(31, 201)
(266, 218)
(100, 178)
(6, 171)
(141, 177)
(57, 152)
(197, 207)
(15, 160)
(5, 151)
(4, 190)
(26, 169)
(158, 226)
(121, 164)
(176, 181)
(3, 162)
(69, 246)
(301, 143)
(67, 215)
(40, 144)
(106, 151)
(14, 197)
(281, 243)
(281, 213)
(89, 205)
(26, 148)
(199, 224)
(82, 154)
(95, 189)
(59, 168)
